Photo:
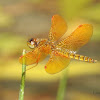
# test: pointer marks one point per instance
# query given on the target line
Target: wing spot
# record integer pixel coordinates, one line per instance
(52, 17)
(45, 67)
(80, 26)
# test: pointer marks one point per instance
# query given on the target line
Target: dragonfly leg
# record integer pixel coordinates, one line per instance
(33, 66)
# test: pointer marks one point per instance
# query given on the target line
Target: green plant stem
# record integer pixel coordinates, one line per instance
(22, 86)
(62, 88)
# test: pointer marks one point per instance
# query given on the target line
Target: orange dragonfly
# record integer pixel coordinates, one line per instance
(60, 52)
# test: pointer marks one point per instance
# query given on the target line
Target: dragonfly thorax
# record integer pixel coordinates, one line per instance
(35, 42)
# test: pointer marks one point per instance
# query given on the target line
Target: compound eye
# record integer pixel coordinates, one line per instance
(31, 43)
(30, 40)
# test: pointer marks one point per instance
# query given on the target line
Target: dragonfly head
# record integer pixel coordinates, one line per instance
(32, 43)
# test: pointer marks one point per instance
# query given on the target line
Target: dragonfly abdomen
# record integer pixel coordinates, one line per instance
(81, 58)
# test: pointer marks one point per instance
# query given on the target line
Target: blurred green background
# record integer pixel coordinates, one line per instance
(23, 19)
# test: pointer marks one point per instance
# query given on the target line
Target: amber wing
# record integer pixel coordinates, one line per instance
(78, 38)
(58, 27)
(35, 56)
(56, 63)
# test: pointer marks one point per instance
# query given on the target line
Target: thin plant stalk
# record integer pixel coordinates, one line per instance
(62, 88)
(22, 86)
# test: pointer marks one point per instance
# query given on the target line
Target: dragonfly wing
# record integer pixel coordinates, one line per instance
(31, 58)
(78, 38)
(35, 56)
(58, 27)
(56, 63)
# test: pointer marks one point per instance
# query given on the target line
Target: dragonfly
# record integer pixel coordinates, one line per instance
(60, 51)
